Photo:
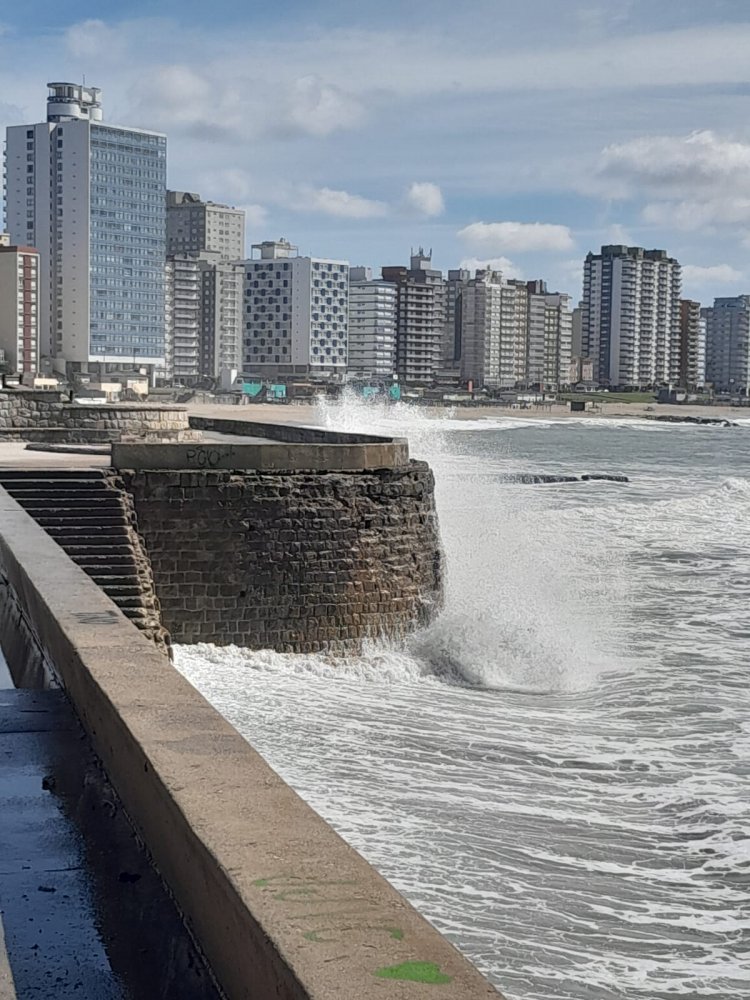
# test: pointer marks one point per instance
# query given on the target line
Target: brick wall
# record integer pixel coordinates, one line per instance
(297, 562)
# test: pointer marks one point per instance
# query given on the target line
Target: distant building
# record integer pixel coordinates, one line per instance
(549, 337)
(692, 345)
(91, 197)
(630, 323)
(372, 325)
(479, 310)
(728, 344)
(19, 307)
(576, 332)
(458, 280)
(183, 319)
(196, 226)
(222, 322)
(581, 371)
(421, 318)
(296, 313)
(495, 322)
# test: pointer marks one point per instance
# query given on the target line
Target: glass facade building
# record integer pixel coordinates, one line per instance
(91, 198)
(128, 175)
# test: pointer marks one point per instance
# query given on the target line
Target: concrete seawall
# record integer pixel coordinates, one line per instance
(315, 544)
(279, 904)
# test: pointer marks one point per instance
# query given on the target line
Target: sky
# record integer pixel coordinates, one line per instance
(520, 135)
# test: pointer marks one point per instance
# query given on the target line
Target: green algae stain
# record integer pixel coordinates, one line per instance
(415, 972)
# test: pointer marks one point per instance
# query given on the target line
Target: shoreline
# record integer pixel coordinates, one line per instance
(305, 413)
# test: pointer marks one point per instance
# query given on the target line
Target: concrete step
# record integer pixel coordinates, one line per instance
(74, 498)
(117, 592)
(84, 486)
(134, 603)
(95, 547)
(113, 580)
(108, 560)
(54, 520)
(102, 573)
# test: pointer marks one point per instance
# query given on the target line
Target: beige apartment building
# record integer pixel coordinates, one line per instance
(19, 307)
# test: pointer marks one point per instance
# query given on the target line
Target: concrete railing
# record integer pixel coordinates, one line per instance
(280, 905)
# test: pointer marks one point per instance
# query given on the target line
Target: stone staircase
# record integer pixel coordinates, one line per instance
(91, 516)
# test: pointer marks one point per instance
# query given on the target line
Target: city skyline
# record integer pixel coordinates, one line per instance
(525, 144)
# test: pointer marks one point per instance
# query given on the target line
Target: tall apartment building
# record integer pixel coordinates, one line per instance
(457, 281)
(214, 235)
(692, 345)
(494, 324)
(296, 313)
(183, 319)
(372, 325)
(514, 322)
(421, 318)
(196, 226)
(728, 344)
(630, 323)
(91, 197)
(19, 307)
(549, 337)
(478, 310)
(222, 287)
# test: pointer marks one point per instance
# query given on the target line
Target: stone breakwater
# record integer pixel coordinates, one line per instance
(292, 561)
(47, 416)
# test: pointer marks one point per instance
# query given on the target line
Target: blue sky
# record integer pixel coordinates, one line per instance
(523, 134)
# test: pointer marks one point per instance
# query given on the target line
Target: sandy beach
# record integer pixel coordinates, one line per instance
(305, 413)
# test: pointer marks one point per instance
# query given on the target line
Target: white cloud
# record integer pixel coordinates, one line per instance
(502, 264)
(425, 198)
(695, 182)
(696, 214)
(722, 274)
(340, 203)
(677, 165)
(519, 237)
(88, 39)
(617, 233)
(256, 216)
(319, 108)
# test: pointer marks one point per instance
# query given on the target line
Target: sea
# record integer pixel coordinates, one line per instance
(556, 772)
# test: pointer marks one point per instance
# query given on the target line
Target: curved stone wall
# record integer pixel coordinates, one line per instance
(292, 561)
(48, 416)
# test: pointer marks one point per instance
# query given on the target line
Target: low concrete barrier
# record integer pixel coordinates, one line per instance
(263, 457)
(291, 433)
(280, 905)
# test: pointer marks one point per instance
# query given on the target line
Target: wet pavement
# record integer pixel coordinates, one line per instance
(84, 913)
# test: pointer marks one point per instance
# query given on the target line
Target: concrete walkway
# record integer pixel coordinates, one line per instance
(81, 908)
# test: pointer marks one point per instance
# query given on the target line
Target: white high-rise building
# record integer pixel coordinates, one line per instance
(183, 316)
(549, 337)
(91, 197)
(421, 318)
(221, 315)
(195, 226)
(296, 313)
(630, 323)
(728, 344)
(372, 325)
